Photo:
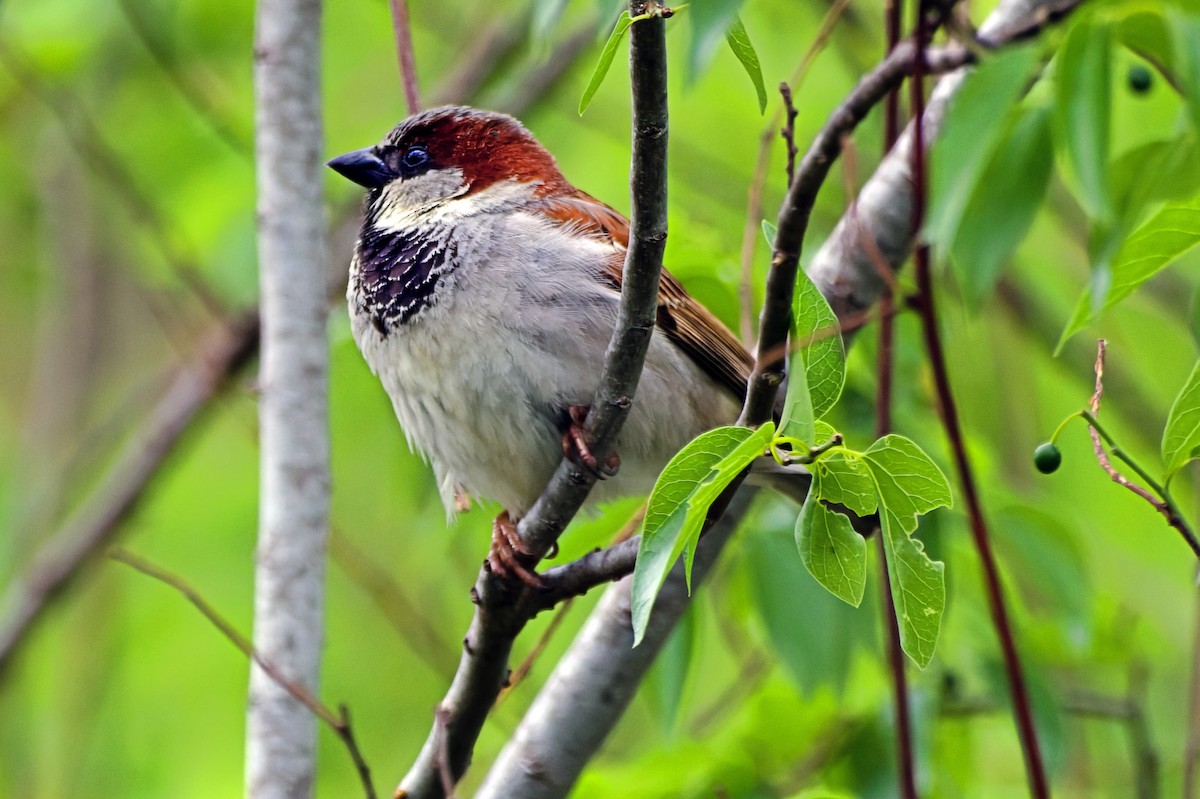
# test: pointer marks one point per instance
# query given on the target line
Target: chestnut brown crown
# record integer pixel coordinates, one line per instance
(486, 146)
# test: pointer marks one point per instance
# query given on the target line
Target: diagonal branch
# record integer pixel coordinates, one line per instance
(223, 354)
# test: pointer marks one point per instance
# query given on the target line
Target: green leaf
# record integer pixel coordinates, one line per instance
(769, 230)
(907, 485)
(918, 586)
(910, 484)
(798, 420)
(1181, 438)
(1164, 237)
(817, 332)
(739, 42)
(606, 59)
(1154, 172)
(846, 480)
(834, 554)
(970, 135)
(1084, 72)
(1006, 199)
(677, 506)
(709, 20)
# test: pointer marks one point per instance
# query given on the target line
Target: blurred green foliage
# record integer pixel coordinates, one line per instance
(127, 168)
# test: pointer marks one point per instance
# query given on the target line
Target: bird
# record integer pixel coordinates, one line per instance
(483, 292)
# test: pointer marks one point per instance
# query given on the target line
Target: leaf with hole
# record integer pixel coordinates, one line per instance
(909, 484)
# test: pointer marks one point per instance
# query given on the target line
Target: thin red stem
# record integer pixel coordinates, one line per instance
(1022, 709)
(905, 768)
(402, 31)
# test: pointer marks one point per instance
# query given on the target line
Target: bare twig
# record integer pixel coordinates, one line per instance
(1160, 499)
(94, 525)
(897, 663)
(788, 131)
(754, 199)
(402, 31)
(338, 722)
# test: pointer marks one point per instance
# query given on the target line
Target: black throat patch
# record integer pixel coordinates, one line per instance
(398, 272)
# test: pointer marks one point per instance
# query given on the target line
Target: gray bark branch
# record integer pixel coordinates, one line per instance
(294, 494)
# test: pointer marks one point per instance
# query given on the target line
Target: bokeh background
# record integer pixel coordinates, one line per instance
(127, 182)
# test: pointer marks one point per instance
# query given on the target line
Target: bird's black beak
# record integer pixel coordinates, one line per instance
(364, 167)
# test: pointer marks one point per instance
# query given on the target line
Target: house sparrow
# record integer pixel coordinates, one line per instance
(483, 292)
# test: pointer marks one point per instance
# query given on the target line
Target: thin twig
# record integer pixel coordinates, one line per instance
(338, 722)
(402, 31)
(884, 371)
(754, 195)
(788, 131)
(1163, 503)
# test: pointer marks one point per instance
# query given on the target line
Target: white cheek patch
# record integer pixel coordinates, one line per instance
(436, 198)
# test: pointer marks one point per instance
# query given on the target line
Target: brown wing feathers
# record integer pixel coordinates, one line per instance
(686, 322)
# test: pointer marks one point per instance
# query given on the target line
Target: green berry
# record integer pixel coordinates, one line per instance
(1139, 79)
(1047, 458)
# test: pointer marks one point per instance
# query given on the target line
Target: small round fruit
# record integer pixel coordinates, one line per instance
(1139, 79)
(1047, 458)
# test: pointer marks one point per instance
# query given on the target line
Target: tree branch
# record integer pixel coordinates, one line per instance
(844, 268)
(221, 355)
(289, 589)
(500, 614)
(402, 32)
(595, 680)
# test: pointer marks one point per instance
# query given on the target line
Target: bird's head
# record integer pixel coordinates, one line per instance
(450, 156)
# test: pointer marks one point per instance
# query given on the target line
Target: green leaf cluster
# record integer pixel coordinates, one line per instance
(994, 159)
(893, 479)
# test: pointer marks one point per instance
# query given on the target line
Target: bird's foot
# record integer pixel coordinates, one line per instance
(508, 553)
(575, 446)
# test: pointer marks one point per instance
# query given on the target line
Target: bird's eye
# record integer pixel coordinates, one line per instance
(414, 158)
